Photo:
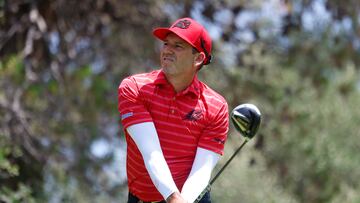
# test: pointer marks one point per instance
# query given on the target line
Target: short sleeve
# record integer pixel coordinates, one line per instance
(130, 104)
(214, 135)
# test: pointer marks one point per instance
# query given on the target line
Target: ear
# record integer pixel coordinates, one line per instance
(199, 59)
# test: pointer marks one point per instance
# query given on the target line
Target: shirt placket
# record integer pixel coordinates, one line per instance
(173, 108)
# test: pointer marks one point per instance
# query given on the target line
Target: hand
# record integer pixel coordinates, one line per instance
(176, 198)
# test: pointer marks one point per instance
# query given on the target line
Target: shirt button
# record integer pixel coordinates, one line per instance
(172, 111)
(174, 98)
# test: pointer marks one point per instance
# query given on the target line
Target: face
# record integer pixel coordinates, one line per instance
(177, 57)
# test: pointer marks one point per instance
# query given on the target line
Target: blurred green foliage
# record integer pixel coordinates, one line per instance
(61, 63)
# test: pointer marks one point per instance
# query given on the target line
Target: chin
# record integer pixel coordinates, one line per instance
(168, 70)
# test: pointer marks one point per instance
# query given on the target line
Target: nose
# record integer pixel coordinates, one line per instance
(167, 49)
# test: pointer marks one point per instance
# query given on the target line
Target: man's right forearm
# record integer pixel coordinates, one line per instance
(160, 173)
(147, 141)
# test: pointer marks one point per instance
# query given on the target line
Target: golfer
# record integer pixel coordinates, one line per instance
(175, 125)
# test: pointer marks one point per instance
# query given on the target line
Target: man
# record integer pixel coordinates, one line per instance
(175, 125)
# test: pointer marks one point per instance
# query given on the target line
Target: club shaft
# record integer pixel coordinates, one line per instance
(208, 187)
(228, 161)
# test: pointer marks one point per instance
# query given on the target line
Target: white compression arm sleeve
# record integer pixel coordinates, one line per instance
(146, 139)
(200, 174)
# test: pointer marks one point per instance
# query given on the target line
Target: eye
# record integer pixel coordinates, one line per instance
(178, 46)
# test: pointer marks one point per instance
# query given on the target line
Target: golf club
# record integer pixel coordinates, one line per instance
(246, 119)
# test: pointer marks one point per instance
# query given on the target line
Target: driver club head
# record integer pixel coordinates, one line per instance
(246, 119)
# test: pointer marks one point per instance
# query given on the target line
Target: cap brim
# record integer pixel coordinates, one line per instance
(161, 33)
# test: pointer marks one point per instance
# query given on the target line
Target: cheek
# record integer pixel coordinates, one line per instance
(185, 57)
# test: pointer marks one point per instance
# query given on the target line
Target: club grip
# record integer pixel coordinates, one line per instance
(207, 189)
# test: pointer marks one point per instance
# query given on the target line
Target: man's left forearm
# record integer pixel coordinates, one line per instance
(204, 163)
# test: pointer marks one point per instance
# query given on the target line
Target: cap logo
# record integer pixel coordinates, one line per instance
(183, 24)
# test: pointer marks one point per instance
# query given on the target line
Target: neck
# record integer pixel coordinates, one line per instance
(180, 83)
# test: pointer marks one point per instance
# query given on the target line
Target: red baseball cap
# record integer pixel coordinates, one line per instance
(190, 31)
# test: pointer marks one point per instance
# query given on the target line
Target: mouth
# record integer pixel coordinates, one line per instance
(168, 59)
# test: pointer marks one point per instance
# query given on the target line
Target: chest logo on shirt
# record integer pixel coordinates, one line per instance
(193, 115)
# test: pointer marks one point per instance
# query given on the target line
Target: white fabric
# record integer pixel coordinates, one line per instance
(146, 139)
(200, 174)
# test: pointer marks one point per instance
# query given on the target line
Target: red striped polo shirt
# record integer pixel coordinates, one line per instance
(194, 117)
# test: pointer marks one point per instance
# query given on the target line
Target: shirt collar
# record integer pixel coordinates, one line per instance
(160, 79)
(194, 87)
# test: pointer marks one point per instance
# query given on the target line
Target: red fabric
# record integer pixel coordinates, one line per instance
(195, 117)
